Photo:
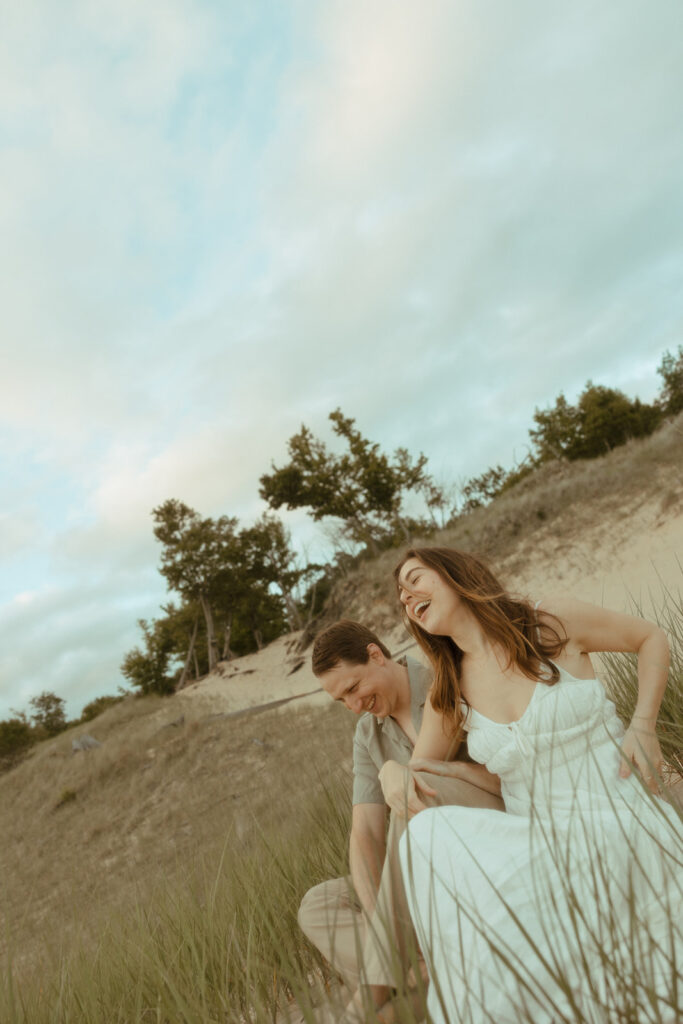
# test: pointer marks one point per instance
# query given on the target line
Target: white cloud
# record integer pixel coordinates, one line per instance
(213, 230)
(70, 640)
(18, 531)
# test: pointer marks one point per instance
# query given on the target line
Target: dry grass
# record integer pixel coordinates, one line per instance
(84, 833)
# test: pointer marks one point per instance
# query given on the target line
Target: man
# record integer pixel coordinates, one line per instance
(362, 925)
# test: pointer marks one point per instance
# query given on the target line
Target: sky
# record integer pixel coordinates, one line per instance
(219, 221)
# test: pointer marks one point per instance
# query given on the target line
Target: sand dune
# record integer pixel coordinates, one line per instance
(635, 556)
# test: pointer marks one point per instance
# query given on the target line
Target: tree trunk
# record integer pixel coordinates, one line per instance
(227, 653)
(196, 665)
(258, 638)
(210, 632)
(293, 614)
(311, 606)
(190, 653)
(407, 536)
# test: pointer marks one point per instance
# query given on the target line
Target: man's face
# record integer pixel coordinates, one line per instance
(368, 687)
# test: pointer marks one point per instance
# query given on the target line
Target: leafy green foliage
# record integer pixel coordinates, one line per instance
(482, 489)
(200, 559)
(196, 552)
(16, 736)
(48, 713)
(671, 372)
(147, 668)
(237, 589)
(557, 430)
(364, 487)
(97, 706)
(270, 560)
(603, 418)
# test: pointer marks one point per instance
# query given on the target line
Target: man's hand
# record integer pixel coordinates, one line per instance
(400, 788)
(641, 748)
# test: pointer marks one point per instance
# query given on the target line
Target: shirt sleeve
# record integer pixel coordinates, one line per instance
(366, 785)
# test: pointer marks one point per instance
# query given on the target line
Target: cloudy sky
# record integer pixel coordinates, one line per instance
(221, 220)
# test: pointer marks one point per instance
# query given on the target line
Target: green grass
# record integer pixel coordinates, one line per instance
(621, 679)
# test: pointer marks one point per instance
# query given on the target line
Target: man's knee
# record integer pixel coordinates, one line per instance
(310, 908)
(325, 905)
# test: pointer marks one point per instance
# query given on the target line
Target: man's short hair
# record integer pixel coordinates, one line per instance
(344, 641)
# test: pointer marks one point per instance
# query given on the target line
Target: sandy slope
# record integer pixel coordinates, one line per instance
(633, 556)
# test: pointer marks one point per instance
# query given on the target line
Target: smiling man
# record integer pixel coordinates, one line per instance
(361, 924)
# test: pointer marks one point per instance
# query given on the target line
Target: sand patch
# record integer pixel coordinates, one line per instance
(633, 554)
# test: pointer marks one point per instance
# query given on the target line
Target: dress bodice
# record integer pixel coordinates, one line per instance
(568, 735)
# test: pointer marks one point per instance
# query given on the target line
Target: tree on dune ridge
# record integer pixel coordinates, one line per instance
(198, 554)
(363, 487)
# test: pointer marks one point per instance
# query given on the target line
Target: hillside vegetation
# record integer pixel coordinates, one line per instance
(157, 877)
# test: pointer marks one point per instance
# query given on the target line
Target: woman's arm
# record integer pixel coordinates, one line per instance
(400, 786)
(435, 740)
(592, 629)
(472, 772)
(434, 747)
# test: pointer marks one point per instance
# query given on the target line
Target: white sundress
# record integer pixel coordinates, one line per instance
(569, 907)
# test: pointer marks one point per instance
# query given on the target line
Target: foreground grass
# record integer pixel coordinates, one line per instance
(157, 879)
(621, 678)
(216, 939)
(217, 942)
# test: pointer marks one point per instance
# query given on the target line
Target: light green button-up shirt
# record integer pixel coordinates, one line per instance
(377, 740)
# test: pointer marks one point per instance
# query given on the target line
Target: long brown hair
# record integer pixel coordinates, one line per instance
(509, 621)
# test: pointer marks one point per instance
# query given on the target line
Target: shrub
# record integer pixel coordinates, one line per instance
(671, 372)
(97, 706)
(48, 713)
(16, 736)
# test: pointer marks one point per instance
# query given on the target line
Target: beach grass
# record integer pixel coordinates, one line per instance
(212, 935)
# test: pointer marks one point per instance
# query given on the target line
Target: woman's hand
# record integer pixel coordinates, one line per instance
(400, 788)
(641, 748)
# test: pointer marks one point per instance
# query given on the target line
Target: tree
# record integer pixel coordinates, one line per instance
(269, 557)
(557, 431)
(147, 668)
(259, 618)
(442, 500)
(48, 713)
(182, 626)
(16, 736)
(603, 418)
(198, 558)
(364, 487)
(609, 419)
(671, 372)
(480, 490)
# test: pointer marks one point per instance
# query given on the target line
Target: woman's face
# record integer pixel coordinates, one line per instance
(427, 598)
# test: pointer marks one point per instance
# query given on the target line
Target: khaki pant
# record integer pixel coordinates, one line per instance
(380, 951)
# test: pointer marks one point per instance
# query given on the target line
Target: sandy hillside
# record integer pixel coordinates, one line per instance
(615, 561)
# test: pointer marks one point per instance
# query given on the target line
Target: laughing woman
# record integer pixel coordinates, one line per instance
(570, 906)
